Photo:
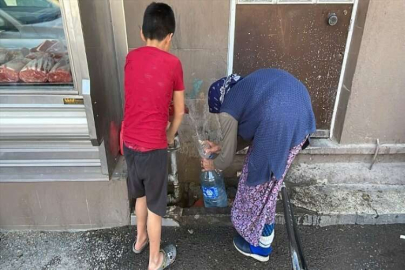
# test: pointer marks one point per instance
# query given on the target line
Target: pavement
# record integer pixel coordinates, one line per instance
(202, 246)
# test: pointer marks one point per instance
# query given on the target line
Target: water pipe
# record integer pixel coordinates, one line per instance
(173, 176)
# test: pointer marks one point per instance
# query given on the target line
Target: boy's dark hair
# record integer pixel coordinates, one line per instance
(158, 21)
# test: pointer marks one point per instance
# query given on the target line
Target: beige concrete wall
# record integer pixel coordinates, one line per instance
(201, 43)
(377, 103)
(64, 205)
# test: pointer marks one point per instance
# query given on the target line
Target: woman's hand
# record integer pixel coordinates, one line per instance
(207, 164)
(212, 148)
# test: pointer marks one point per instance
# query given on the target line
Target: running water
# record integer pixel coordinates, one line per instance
(207, 128)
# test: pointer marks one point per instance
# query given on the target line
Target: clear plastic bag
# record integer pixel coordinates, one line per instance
(206, 127)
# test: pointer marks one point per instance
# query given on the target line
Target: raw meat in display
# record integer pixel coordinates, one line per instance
(10, 71)
(55, 56)
(19, 53)
(36, 65)
(35, 55)
(50, 46)
(57, 48)
(2, 76)
(60, 73)
(5, 56)
(58, 56)
(44, 46)
(36, 71)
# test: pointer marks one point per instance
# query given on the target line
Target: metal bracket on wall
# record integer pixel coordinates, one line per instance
(89, 112)
(377, 149)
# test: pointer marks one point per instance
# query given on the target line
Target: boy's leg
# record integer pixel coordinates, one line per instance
(154, 233)
(141, 211)
(135, 162)
(156, 199)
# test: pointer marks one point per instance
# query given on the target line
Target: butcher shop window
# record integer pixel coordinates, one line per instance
(33, 48)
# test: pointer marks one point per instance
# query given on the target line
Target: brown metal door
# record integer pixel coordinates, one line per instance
(299, 39)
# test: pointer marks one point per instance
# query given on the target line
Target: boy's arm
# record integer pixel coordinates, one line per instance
(178, 103)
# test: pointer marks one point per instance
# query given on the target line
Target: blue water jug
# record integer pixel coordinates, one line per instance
(213, 188)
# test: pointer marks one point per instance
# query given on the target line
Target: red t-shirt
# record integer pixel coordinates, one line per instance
(151, 76)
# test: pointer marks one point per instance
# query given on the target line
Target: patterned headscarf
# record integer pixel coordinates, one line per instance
(218, 91)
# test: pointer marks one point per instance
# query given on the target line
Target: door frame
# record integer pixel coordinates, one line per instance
(231, 42)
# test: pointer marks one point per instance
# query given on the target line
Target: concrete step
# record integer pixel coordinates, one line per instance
(347, 173)
(317, 205)
(327, 157)
(326, 194)
(351, 203)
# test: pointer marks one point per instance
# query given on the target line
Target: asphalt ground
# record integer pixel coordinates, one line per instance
(204, 247)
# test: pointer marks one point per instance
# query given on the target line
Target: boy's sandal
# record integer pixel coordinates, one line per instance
(169, 256)
(139, 251)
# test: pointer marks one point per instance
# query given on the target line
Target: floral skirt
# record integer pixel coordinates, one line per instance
(255, 206)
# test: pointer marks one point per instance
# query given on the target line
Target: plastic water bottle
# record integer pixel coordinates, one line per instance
(213, 187)
(202, 150)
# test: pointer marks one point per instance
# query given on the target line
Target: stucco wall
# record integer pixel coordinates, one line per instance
(376, 106)
(201, 43)
(200, 40)
(64, 205)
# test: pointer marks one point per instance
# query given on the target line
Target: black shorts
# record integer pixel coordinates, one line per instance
(147, 176)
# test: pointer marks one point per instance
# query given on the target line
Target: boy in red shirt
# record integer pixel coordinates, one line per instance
(153, 78)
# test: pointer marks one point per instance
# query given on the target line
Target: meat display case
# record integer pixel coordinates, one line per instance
(60, 90)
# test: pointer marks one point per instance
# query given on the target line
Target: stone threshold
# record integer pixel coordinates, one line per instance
(329, 147)
(177, 217)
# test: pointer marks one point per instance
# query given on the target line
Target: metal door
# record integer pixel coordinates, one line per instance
(305, 40)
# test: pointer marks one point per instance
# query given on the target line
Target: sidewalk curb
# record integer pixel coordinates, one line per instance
(177, 216)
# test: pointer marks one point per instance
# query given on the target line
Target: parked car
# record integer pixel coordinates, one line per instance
(26, 23)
